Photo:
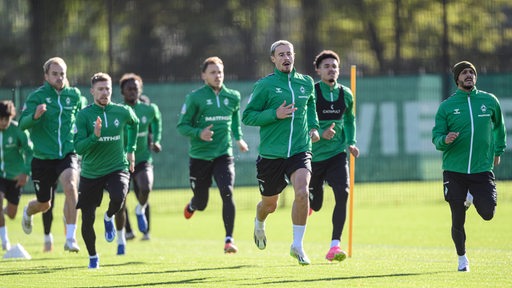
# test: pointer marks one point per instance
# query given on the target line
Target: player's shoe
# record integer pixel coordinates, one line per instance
(110, 232)
(260, 239)
(336, 254)
(48, 245)
(230, 248)
(142, 222)
(187, 213)
(300, 255)
(130, 236)
(120, 249)
(94, 262)
(463, 264)
(468, 201)
(71, 246)
(26, 221)
(6, 246)
(145, 237)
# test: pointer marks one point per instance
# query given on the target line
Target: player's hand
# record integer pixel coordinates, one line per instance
(497, 160)
(353, 150)
(156, 147)
(329, 133)
(207, 133)
(242, 146)
(285, 111)
(131, 159)
(451, 137)
(314, 135)
(40, 109)
(21, 180)
(97, 127)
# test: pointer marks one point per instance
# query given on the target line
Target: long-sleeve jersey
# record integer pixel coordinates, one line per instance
(107, 153)
(329, 111)
(52, 133)
(477, 117)
(282, 138)
(202, 108)
(149, 117)
(15, 152)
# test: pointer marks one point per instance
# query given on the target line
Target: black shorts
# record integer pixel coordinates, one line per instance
(480, 185)
(273, 174)
(201, 171)
(334, 171)
(143, 166)
(11, 192)
(45, 174)
(90, 190)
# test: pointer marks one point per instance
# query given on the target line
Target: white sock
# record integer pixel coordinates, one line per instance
(229, 239)
(298, 235)
(94, 256)
(108, 218)
(259, 224)
(139, 210)
(463, 261)
(3, 234)
(70, 231)
(121, 237)
(335, 243)
(48, 238)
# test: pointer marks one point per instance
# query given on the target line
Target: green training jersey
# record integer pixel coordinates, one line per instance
(149, 120)
(477, 117)
(203, 107)
(282, 138)
(107, 153)
(345, 126)
(52, 133)
(15, 152)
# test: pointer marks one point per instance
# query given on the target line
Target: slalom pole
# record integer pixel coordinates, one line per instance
(352, 168)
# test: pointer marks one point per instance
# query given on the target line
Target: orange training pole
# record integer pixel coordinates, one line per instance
(352, 168)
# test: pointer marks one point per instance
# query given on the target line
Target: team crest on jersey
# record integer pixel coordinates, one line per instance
(9, 140)
(226, 101)
(483, 108)
(68, 101)
(302, 89)
(209, 102)
(48, 100)
(116, 122)
(144, 119)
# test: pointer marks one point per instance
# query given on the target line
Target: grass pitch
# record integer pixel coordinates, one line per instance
(401, 239)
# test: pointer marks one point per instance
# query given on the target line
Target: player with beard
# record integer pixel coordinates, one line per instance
(470, 131)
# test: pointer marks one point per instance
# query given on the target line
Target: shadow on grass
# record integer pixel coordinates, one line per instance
(188, 270)
(327, 279)
(48, 270)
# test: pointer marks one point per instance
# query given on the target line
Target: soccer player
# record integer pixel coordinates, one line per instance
(99, 138)
(282, 104)
(208, 117)
(49, 114)
(149, 120)
(15, 158)
(470, 131)
(335, 109)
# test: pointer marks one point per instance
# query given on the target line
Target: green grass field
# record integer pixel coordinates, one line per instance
(401, 239)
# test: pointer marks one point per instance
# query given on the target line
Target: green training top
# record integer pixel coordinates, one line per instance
(477, 116)
(345, 127)
(52, 133)
(282, 138)
(149, 117)
(15, 152)
(106, 154)
(203, 108)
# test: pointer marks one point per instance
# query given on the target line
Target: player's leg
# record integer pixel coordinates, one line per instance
(117, 186)
(484, 194)
(316, 186)
(200, 182)
(143, 181)
(337, 178)
(224, 175)
(6, 245)
(69, 175)
(47, 217)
